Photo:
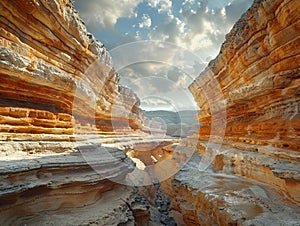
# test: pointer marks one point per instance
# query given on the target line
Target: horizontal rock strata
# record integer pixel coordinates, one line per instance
(258, 72)
(216, 198)
(56, 189)
(87, 184)
(59, 99)
(52, 69)
(254, 176)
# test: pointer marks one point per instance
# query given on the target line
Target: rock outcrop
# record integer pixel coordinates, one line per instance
(61, 108)
(65, 190)
(258, 72)
(52, 69)
(254, 178)
(59, 95)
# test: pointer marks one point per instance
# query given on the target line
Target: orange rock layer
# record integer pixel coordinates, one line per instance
(51, 69)
(57, 82)
(258, 72)
(254, 175)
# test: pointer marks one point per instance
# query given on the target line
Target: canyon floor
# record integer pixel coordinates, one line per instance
(76, 148)
(144, 180)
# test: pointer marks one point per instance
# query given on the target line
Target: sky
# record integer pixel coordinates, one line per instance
(196, 26)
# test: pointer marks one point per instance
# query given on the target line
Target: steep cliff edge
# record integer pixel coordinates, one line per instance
(254, 178)
(47, 58)
(50, 93)
(57, 83)
(258, 71)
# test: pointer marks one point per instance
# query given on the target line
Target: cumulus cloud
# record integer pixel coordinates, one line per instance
(105, 13)
(153, 3)
(146, 21)
(157, 82)
(223, 12)
(165, 6)
(161, 5)
(169, 29)
(201, 28)
(188, 1)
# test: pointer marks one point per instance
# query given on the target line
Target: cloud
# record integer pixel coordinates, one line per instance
(105, 13)
(168, 30)
(143, 70)
(157, 82)
(165, 6)
(202, 26)
(199, 26)
(161, 5)
(153, 3)
(154, 101)
(188, 1)
(146, 21)
(223, 12)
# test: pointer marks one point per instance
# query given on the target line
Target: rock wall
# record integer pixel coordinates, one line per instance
(52, 69)
(258, 72)
(254, 177)
(57, 87)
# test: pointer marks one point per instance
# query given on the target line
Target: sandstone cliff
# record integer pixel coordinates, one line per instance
(258, 71)
(52, 90)
(47, 58)
(57, 82)
(255, 175)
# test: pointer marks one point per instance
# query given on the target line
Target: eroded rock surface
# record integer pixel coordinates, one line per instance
(55, 75)
(215, 198)
(58, 92)
(64, 189)
(254, 176)
(61, 161)
(258, 72)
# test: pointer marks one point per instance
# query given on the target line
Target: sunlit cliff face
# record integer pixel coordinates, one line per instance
(68, 130)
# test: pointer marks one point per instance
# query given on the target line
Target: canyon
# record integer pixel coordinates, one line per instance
(175, 124)
(254, 178)
(75, 148)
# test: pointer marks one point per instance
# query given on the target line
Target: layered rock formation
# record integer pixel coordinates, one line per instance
(57, 87)
(52, 69)
(258, 72)
(65, 190)
(254, 178)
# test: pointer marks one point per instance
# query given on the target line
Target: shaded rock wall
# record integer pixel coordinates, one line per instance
(258, 72)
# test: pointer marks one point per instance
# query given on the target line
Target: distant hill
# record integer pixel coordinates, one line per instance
(178, 124)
